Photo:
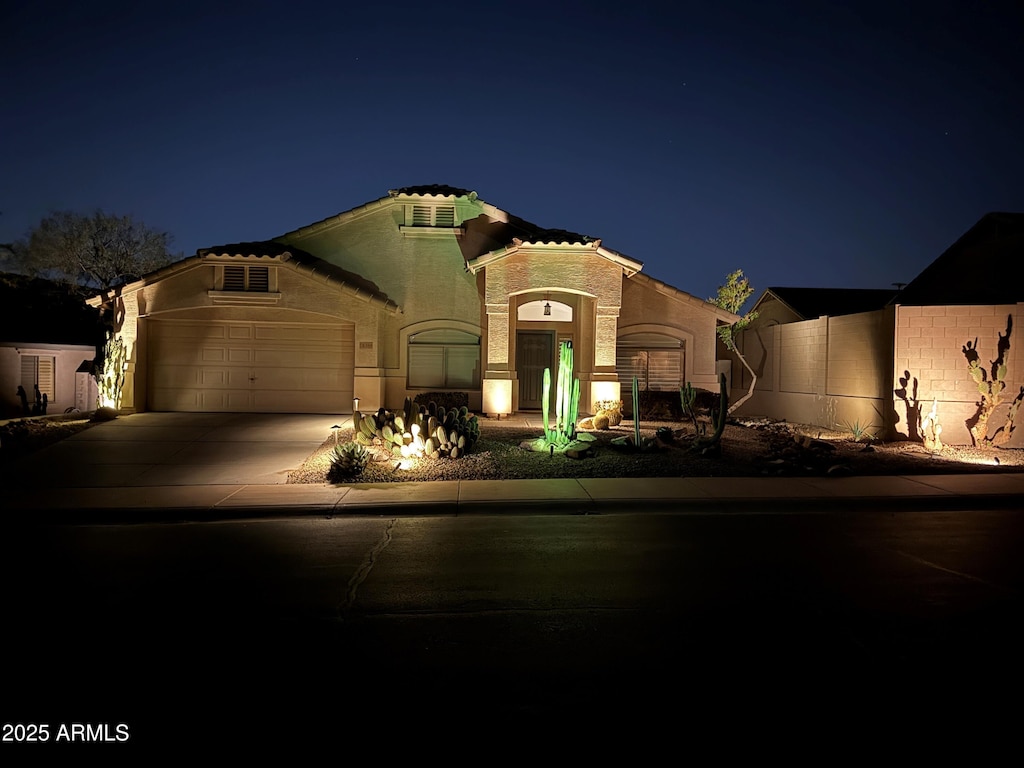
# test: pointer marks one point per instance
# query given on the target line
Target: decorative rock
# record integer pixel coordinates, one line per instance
(106, 413)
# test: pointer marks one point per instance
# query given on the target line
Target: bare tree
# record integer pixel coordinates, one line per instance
(731, 297)
(93, 254)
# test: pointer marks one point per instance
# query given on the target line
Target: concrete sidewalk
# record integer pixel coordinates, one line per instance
(162, 466)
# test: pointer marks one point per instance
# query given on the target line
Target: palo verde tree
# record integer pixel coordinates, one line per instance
(731, 297)
(96, 254)
(93, 254)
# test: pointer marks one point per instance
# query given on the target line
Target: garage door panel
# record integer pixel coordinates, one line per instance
(227, 366)
(310, 335)
(307, 358)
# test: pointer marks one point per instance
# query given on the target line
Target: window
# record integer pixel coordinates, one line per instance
(444, 359)
(38, 370)
(243, 278)
(657, 361)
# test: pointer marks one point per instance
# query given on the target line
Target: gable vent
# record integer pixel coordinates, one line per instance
(259, 279)
(421, 216)
(433, 216)
(234, 278)
(444, 216)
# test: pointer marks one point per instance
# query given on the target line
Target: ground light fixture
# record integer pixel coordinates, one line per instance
(336, 427)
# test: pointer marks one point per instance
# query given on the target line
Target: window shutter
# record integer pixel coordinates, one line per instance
(46, 377)
(426, 366)
(461, 366)
(28, 372)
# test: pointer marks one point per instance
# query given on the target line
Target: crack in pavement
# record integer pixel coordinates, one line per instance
(363, 571)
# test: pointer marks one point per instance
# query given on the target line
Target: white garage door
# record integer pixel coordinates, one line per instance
(250, 366)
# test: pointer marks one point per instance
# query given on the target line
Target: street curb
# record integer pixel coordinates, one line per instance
(731, 506)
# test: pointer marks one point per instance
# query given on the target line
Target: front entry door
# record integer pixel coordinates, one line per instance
(534, 353)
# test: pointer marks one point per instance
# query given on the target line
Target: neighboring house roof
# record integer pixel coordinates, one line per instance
(985, 266)
(36, 310)
(811, 303)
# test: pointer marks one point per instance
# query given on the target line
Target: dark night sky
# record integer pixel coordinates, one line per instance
(806, 144)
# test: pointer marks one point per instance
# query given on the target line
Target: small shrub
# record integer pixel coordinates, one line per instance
(659, 406)
(447, 400)
(859, 432)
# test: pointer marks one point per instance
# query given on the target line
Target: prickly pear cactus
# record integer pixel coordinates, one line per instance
(415, 433)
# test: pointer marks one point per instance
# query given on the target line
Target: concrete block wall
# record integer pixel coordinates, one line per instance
(828, 372)
(929, 348)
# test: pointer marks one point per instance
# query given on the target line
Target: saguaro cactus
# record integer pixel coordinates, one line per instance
(567, 399)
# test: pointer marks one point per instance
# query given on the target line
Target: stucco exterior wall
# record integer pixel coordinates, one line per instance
(646, 309)
(69, 390)
(929, 351)
(424, 273)
(297, 297)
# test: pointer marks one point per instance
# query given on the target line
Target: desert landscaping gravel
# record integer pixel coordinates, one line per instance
(748, 449)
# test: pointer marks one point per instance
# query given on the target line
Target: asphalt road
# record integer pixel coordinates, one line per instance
(267, 626)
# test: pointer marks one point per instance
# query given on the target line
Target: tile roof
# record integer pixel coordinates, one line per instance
(811, 303)
(433, 189)
(310, 264)
(984, 266)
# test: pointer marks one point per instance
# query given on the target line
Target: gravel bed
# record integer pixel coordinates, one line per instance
(747, 450)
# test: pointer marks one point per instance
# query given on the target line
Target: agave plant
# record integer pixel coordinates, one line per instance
(348, 460)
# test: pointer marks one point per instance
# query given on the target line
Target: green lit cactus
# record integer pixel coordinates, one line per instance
(561, 436)
(567, 399)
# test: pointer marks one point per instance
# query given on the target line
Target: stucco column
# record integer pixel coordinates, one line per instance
(604, 338)
(497, 335)
(497, 384)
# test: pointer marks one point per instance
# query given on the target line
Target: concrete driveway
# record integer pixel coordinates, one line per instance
(169, 449)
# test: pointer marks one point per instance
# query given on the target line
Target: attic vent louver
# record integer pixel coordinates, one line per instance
(444, 216)
(433, 216)
(421, 216)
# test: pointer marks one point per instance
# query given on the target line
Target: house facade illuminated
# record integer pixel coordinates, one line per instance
(426, 289)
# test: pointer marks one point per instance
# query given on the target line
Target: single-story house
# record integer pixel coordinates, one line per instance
(47, 342)
(425, 289)
(881, 359)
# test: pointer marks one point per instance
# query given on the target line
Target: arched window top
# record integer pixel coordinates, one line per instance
(650, 341)
(444, 336)
(544, 310)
